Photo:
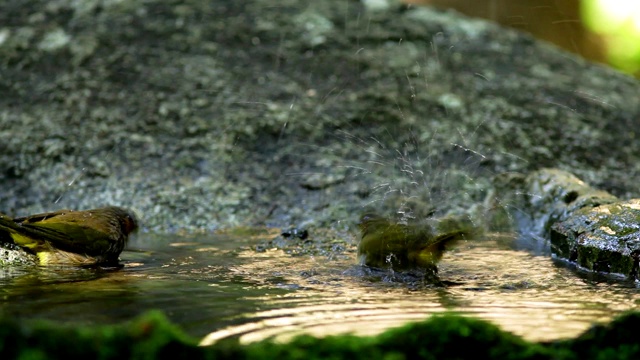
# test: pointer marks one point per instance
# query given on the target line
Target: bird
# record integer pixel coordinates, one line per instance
(69, 237)
(385, 244)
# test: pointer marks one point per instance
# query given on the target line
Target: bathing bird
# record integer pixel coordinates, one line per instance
(68, 237)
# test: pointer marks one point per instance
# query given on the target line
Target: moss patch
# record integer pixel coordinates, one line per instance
(151, 336)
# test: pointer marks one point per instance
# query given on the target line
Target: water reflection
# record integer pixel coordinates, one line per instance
(219, 286)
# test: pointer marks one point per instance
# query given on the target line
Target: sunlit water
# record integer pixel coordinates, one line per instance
(218, 286)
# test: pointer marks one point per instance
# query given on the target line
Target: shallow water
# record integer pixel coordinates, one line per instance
(219, 286)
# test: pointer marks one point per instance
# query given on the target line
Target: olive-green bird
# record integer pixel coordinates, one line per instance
(67, 237)
(401, 247)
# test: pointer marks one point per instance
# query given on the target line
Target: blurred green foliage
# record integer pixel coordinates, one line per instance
(618, 22)
(448, 336)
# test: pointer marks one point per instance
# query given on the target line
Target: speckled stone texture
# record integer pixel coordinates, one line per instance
(203, 114)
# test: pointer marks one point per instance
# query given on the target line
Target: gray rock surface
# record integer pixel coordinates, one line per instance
(202, 115)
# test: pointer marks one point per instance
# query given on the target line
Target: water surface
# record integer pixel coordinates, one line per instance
(244, 286)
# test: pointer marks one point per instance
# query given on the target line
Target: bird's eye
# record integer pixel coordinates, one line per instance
(367, 217)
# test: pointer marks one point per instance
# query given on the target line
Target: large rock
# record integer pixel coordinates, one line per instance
(201, 115)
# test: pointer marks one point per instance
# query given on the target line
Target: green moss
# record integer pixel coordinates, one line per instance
(454, 337)
(616, 340)
(446, 336)
(598, 259)
(148, 337)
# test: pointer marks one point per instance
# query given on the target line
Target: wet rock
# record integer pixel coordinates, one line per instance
(295, 233)
(591, 227)
(603, 238)
(547, 196)
(12, 255)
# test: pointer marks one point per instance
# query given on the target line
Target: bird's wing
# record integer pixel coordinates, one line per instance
(56, 227)
(41, 217)
(26, 231)
(67, 237)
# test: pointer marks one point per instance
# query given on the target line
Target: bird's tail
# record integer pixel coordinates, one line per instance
(13, 232)
(7, 228)
(451, 229)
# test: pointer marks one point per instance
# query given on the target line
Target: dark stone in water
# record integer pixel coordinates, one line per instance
(603, 238)
(301, 234)
(591, 227)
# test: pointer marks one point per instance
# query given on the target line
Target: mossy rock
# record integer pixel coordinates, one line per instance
(603, 238)
(588, 226)
(546, 196)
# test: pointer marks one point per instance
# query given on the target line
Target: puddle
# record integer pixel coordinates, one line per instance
(218, 286)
